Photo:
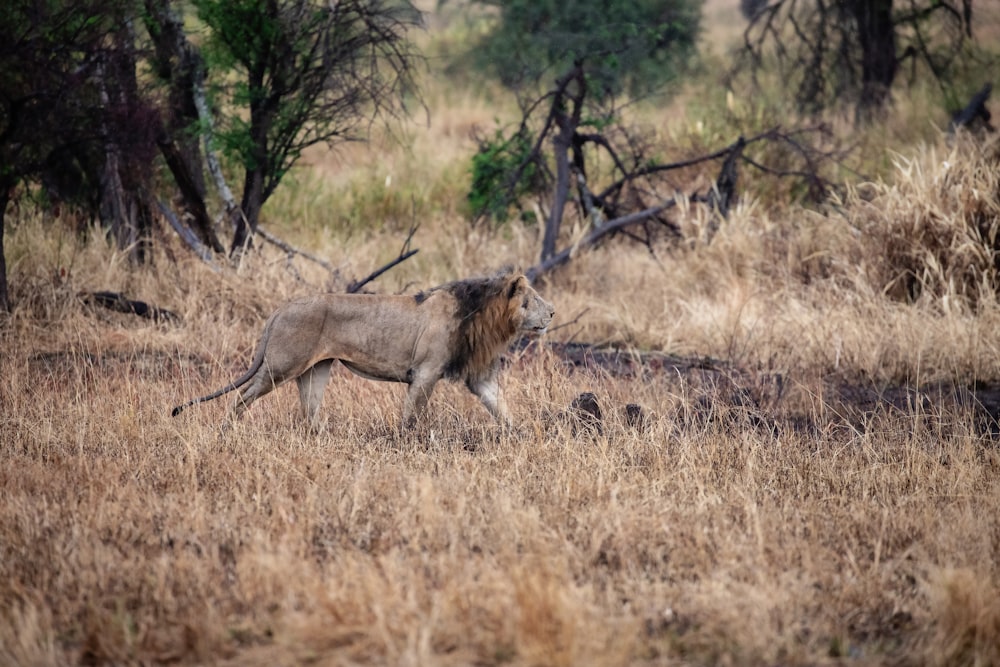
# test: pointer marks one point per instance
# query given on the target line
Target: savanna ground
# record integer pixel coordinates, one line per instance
(824, 489)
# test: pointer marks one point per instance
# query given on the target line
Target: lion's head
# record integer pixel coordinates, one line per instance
(533, 312)
(493, 311)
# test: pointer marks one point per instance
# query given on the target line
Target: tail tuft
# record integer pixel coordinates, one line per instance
(176, 411)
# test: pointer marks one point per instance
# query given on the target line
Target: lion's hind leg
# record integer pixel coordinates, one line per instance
(312, 383)
(261, 384)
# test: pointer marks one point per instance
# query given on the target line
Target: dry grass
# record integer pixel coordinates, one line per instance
(936, 230)
(131, 537)
(771, 531)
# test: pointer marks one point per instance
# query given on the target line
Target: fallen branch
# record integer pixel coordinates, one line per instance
(974, 110)
(118, 303)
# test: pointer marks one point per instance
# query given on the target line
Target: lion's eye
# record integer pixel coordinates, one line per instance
(525, 304)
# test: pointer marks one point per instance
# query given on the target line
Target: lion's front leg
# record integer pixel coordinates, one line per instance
(488, 390)
(416, 399)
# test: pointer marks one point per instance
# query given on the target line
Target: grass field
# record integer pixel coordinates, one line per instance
(816, 479)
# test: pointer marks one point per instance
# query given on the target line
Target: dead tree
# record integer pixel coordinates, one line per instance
(852, 51)
(561, 148)
(611, 213)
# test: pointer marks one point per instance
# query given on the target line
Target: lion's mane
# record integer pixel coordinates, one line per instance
(488, 321)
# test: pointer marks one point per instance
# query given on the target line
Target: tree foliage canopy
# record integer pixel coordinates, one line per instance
(308, 73)
(634, 45)
(53, 118)
(79, 115)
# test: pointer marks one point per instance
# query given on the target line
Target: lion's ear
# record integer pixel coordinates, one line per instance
(516, 285)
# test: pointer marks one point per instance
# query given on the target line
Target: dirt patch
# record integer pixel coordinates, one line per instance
(720, 389)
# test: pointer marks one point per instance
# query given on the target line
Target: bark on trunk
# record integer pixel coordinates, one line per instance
(562, 142)
(879, 63)
(567, 110)
(178, 62)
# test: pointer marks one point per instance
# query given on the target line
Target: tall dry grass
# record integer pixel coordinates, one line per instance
(719, 534)
(775, 530)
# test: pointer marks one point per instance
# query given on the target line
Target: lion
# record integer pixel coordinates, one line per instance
(457, 331)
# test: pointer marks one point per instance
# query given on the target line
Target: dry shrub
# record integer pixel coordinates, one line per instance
(932, 235)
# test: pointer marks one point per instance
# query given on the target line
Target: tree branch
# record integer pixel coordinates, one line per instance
(200, 249)
(356, 286)
(292, 250)
(594, 236)
(404, 254)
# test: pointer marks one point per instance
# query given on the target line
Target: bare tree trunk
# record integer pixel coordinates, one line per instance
(120, 210)
(262, 113)
(877, 36)
(246, 224)
(194, 199)
(178, 61)
(123, 206)
(233, 210)
(142, 223)
(204, 115)
(562, 142)
(113, 208)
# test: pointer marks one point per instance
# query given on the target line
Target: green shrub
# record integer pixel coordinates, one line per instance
(492, 194)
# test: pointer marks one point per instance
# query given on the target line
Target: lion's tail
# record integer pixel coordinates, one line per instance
(235, 384)
(258, 360)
